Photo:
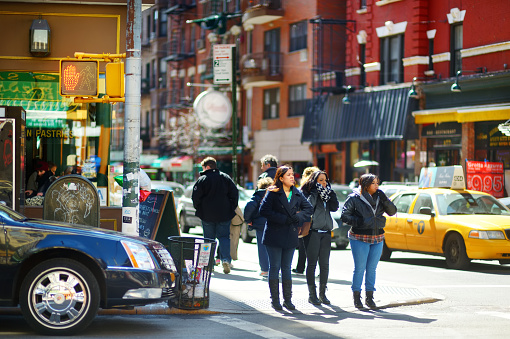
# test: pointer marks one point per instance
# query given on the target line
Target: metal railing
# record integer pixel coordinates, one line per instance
(262, 64)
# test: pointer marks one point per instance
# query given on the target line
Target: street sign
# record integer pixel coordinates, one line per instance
(222, 63)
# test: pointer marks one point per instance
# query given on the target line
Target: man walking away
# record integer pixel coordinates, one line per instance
(215, 198)
(268, 164)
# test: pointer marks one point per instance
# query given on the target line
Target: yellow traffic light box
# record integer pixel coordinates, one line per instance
(79, 78)
(115, 79)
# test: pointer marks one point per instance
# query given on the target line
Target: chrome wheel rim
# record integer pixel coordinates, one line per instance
(59, 298)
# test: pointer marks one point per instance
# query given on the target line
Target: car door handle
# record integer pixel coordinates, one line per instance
(409, 220)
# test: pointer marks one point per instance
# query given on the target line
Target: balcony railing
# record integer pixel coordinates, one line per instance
(270, 4)
(262, 64)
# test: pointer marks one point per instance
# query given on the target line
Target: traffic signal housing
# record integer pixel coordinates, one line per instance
(79, 78)
(115, 79)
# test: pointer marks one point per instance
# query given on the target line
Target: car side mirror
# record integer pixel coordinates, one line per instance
(427, 211)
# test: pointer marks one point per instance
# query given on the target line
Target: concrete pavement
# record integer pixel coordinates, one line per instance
(244, 291)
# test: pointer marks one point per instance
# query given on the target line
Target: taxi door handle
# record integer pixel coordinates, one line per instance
(409, 220)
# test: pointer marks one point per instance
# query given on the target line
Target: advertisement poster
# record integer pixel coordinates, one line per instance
(486, 176)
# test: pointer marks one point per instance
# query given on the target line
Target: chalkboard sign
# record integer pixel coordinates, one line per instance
(73, 199)
(157, 216)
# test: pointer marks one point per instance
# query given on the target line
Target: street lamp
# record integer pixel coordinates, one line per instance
(40, 35)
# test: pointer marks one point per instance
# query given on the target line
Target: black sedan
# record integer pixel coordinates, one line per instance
(60, 274)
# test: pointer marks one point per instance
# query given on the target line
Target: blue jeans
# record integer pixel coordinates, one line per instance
(220, 231)
(263, 257)
(366, 257)
(280, 258)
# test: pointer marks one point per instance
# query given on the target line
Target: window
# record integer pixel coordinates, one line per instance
(162, 24)
(403, 202)
(362, 4)
(271, 103)
(392, 52)
(455, 48)
(424, 200)
(297, 100)
(431, 53)
(298, 36)
(154, 23)
(153, 74)
(362, 61)
(192, 45)
(162, 73)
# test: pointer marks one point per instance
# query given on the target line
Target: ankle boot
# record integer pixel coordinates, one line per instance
(287, 295)
(322, 294)
(274, 289)
(369, 299)
(312, 295)
(356, 295)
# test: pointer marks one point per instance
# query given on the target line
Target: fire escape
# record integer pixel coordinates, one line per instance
(328, 70)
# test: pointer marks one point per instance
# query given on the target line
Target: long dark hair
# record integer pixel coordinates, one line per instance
(312, 182)
(277, 183)
(366, 180)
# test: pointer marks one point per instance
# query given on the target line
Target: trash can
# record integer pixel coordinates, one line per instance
(194, 258)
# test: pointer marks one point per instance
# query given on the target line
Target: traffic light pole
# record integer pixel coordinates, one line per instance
(130, 202)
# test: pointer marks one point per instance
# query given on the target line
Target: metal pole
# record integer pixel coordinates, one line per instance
(130, 205)
(234, 114)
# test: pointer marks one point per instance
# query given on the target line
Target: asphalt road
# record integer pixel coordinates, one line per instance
(475, 303)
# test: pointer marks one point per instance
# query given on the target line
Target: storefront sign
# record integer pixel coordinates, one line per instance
(446, 129)
(486, 177)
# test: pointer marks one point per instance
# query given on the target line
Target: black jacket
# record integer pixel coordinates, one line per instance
(321, 219)
(251, 210)
(276, 208)
(358, 213)
(270, 172)
(215, 196)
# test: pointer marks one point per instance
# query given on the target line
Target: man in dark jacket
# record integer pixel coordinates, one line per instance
(215, 197)
(268, 164)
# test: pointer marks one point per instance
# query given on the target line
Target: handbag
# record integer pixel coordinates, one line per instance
(304, 229)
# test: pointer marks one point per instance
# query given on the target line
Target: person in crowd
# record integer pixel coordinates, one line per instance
(318, 241)
(47, 179)
(363, 211)
(215, 198)
(35, 178)
(235, 230)
(257, 222)
(268, 164)
(285, 209)
(301, 262)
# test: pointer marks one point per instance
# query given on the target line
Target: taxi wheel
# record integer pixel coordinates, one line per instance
(386, 252)
(455, 252)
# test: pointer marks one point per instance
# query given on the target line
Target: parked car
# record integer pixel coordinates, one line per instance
(392, 187)
(175, 187)
(188, 219)
(340, 229)
(60, 274)
(460, 225)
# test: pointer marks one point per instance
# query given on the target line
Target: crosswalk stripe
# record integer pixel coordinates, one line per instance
(252, 328)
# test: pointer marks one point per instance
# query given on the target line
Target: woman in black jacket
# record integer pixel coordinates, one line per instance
(285, 209)
(363, 211)
(318, 242)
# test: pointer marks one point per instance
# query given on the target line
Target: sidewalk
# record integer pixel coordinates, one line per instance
(244, 291)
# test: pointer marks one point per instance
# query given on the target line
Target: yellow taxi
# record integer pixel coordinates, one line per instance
(458, 224)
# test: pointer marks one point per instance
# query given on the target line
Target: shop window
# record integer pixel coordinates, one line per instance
(271, 103)
(297, 100)
(392, 52)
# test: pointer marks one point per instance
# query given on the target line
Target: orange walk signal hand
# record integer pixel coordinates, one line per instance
(71, 77)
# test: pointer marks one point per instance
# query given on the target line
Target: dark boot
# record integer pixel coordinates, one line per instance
(274, 289)
(287, 295)
(312, 295)
(369, 299)
(322, 294)
(356, 295)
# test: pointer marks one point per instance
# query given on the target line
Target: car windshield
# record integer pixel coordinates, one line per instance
(6, 212)
(466, 203)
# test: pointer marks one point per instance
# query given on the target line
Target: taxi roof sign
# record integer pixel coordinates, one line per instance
(442, 176)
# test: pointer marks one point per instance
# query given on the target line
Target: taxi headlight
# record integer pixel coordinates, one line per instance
(487, 234)
(138, 255)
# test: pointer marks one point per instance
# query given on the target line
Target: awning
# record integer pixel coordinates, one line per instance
(463, 114)
(178, 164)
(377, 115)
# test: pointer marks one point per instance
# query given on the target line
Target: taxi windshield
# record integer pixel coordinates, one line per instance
(466, 203)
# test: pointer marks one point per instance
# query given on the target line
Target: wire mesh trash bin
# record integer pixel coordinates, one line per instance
(194, 258)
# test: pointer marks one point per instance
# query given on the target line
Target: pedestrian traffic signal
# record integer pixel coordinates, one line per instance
(79, 78)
